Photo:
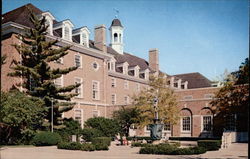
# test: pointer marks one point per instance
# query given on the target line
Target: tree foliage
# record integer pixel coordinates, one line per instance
(167, 104)
(20, 116)
(126, 116)
(37, 52)
(233, 97)
(108, 127)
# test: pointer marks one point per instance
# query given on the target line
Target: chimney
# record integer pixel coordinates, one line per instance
(154, 59)
(100, 37)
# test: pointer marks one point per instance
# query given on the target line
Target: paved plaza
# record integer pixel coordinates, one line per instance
(237, 150)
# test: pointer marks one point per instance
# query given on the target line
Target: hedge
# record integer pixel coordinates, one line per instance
(46, 139)
(101, 140)
(210, 145)
(193, 138)
(138, 144)
(167, 149)
(89, 133)
(83, 147)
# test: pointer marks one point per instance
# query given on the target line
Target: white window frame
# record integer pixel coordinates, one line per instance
(126, 100)
(188, 97)
(61, 84)
(80, 60)
(80, 87)
(97, 96)
(138, 87)
(113, 102)
(97, 112)
(97, 65)
(81, 112)
(187, 131)
(126, 84)
(202, 123)
(113, 82)
(166, 130)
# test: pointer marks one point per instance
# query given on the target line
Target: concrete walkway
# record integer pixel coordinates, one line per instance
(115, 152)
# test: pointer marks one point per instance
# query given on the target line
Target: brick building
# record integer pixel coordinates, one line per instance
(109, 76)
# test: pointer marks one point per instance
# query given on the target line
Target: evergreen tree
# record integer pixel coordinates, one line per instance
(37, 53)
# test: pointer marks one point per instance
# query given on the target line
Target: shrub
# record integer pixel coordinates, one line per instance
(193, 138)
(101, 146)
(138, 144)
(210, 145)
(46, 139)
(88, 147)
(88, 134)
(101, 140)
(109, 127)
(168, 149)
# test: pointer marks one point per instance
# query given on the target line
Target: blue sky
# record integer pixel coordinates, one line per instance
(206, 36)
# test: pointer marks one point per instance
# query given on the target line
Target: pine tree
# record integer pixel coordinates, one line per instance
(38, 77)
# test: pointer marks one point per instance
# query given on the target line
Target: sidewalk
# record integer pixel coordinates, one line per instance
(236, 150)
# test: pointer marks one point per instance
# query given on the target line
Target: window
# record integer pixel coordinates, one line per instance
(175, 84)
(120, 38)
(95, 66)
(84, 39)
(96, 113)
(231, 122)
(138, 87)
(113, 99)
(113, 82)
(148, 128)
(207, 123)
(115, 37)
(66, 33)
(182, 86)
(167, 127)
(78, 90)
(95, 90)
(126, 100)
(78, 60)
(186, 123)
(60, 60)
(126, 85)
(47, 22)
(188, 97)
(208, 95)
(32, 83)
(78, 116)
(59, 82)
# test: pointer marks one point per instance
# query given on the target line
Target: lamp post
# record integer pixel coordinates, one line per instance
(52, 115)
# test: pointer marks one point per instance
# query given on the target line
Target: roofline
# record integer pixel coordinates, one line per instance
(193, 89)
(18, 28)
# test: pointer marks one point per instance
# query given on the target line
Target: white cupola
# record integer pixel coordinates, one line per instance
(116, 36)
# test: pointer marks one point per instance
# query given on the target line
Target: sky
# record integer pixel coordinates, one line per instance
(206, 36)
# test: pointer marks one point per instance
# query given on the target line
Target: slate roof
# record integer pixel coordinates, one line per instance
(20, 15)
(195, 80)
(116, 22)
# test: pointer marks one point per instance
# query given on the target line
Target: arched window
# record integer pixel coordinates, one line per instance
(115, 37)
(84, 39)
(66, 33)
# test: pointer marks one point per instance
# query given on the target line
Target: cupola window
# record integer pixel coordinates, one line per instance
(115, 37)
(120, 38)
(84, 39)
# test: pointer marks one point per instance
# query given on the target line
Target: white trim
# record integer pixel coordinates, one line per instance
(98, 66)
(81, 87)
(81, 110)
(202, 126)
(98, 90)
(186, 131)
(112, 99)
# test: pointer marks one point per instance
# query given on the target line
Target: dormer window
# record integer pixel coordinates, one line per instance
(134, 71)
(81, 36)
(49, 21)
(64, 29)
(122, 68)
(144, 74)
(66, 33)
